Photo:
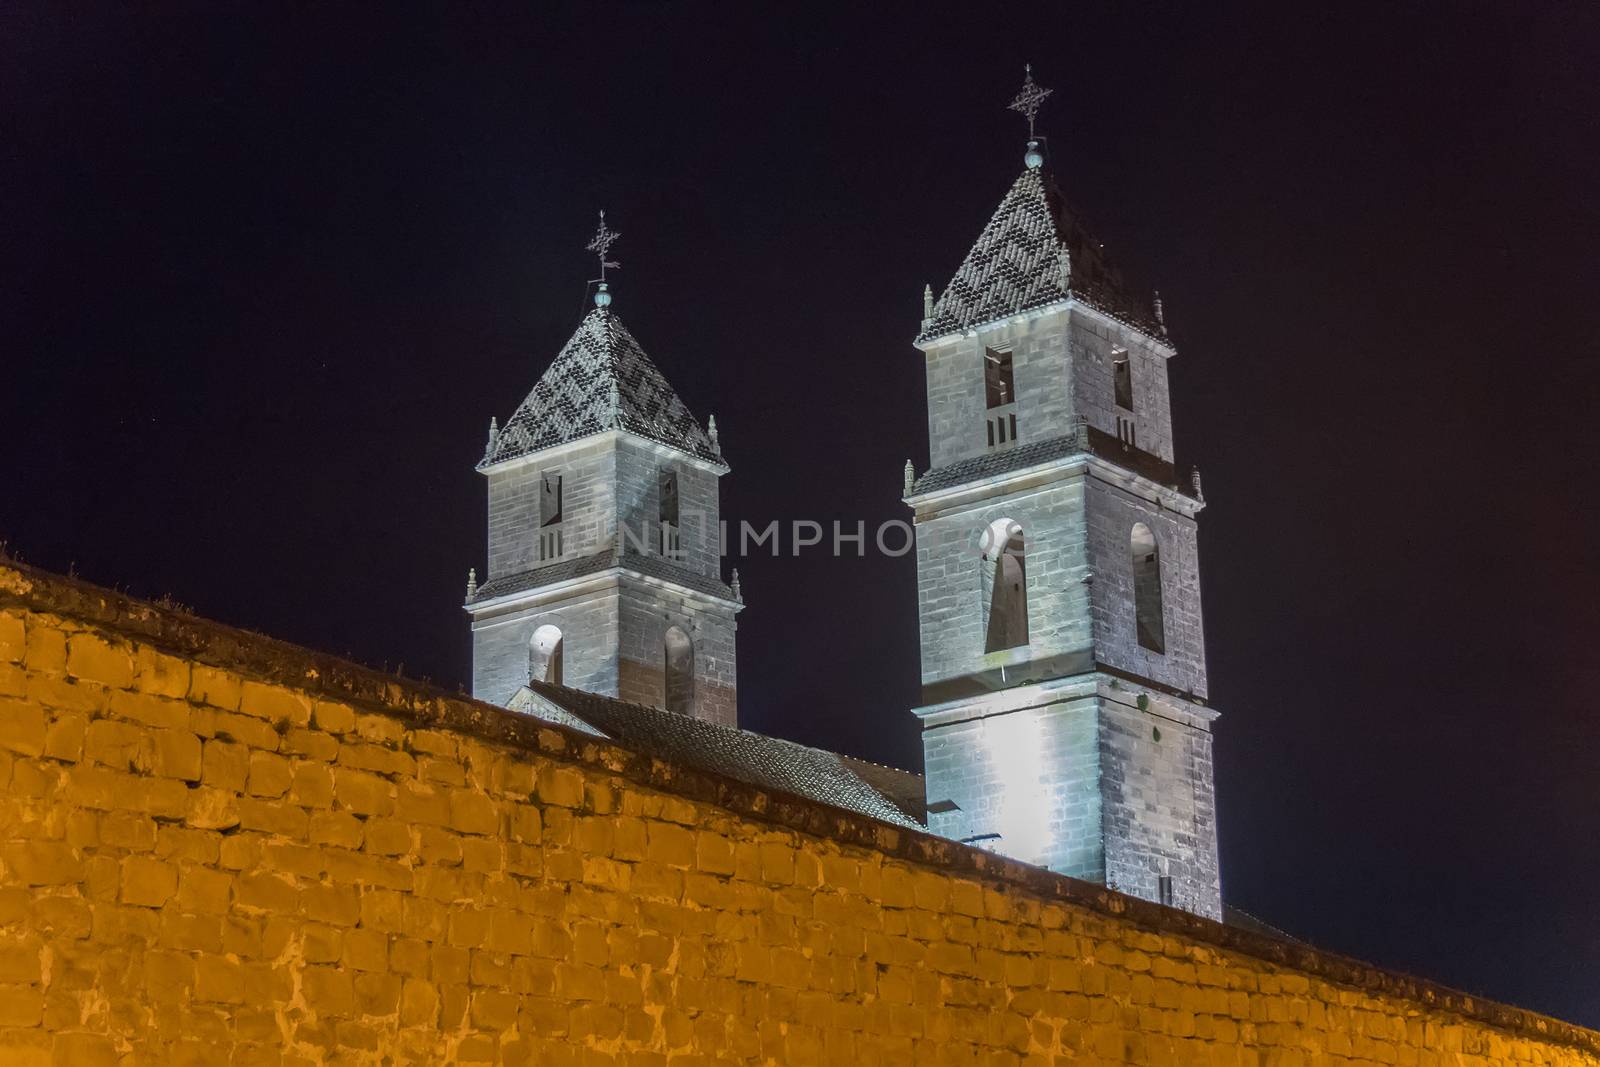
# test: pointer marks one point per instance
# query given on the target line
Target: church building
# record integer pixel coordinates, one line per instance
(1063, 710)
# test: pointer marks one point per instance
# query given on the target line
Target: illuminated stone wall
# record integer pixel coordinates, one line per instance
(957, 400)
(590, 624)
(218, 849)
(614, 634)
(647, 610)
(1020, 775)
(1110, 512)
(1158, 796)
(1095, 777)
(613, 630)
(1062, 368)
(950, 569)
(639, 464)
(1094, 340)
(588, 504)
(1117, 792)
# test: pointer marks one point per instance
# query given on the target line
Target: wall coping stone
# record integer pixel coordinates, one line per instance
(425, 706)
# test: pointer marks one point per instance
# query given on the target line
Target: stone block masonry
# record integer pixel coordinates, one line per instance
(219, 849)
(613, 633)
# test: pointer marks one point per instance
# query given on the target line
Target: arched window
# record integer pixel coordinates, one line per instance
(679, 657)
(1005, 585)
(1148, 617)
(544, 655)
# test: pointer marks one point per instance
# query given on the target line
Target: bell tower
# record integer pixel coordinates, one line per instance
(604, 568)
(1064, 711)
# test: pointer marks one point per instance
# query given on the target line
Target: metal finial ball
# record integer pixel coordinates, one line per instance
(1034, 158)
(602, 296)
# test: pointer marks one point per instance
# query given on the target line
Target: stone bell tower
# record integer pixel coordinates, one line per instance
(604, 535)
(1063, 661)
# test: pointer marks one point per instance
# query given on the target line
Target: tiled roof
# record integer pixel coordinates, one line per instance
(579, 566)
(990, 464)
(655, 566)
(894, 796)
(1005, 461)
(602, 380)
(1034, 252)
(1243, 920)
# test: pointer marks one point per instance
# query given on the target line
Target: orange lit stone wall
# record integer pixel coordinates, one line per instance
(217, 849)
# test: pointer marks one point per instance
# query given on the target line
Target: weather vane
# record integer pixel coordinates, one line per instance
(603, 239)
(1029, 98)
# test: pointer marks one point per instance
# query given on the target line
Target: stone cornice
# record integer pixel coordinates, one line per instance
(494, 609)
(558, 452)
(1073, 676)
(931, 505)
(1163, 347)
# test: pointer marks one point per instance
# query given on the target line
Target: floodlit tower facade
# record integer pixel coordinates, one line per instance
(604, 568)
(1064, 709)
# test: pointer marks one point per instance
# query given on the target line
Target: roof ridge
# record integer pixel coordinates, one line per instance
(875, 763)
(634, 706)
(652, 709)
(801, 770)
(608, 322)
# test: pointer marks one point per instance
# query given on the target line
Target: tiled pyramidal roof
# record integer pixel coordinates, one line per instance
(1033, 252)
(602, 380)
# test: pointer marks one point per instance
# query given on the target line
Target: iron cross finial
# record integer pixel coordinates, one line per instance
(603, 239)
(1029, 98)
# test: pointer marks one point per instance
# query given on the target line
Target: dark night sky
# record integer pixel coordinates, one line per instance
(266, 277)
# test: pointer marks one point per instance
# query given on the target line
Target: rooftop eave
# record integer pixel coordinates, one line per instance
(929, 340)
(549, 452)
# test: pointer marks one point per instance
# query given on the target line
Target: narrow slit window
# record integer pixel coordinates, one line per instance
(671, 545)
(549, 499)
(997, 377)
(1164, 889)
(1122, 375)
(550, 546)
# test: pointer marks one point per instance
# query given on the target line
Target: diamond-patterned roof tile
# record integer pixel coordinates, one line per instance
(602, 380)
(1033, 252)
